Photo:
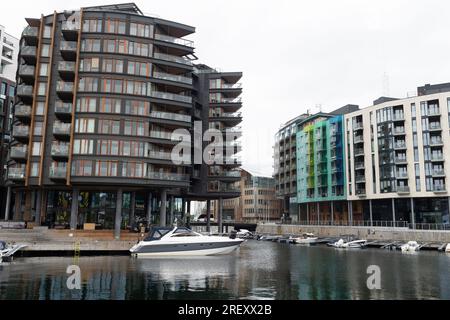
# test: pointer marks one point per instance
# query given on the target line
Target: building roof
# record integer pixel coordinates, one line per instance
(255, 173)
(126, 7)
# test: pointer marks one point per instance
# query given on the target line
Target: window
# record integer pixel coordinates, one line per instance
(88, 84)
(108, 147)
(107, 126)
(85, 125)
(112, 66)
(136, 107)
(115, 26)
(43, 70)
(90, 45)
(47, 32)
(141, 30)
(45, 50)
(83, 146)
(133, 169)
(112, 85)
(135, 128)
(106, 168)
(87, 105)
(37, 129)
(133, 148)
(42, 88)
(34, 169)
(40, 108)
(139, 68)
(92, 25)
(82, 168)
(36, 151)
(89, 64)
(110, 105)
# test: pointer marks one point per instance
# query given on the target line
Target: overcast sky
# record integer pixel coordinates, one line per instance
(297, 55)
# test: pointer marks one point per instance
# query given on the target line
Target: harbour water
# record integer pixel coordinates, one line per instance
(258, 270)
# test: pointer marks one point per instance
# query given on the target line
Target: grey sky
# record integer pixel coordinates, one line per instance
(298, 54)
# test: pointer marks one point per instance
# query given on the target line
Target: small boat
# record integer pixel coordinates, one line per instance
(410, 246)
(7, 251)
(355, 244)
(181, 241)
(447, 248)
(286, 239)
(306, 238)
(244, 234)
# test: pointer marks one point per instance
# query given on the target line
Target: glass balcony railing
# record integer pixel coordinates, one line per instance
(359, 165)
(436, 142)
(66, 66)
(399, 145)
(400, 159)
(223, 188)
(439, 187)
(22, 110)
(399, 130)
(170, 116)
(63, 107)
(172, 77)
(18, 152)
(159, 155)
(226, 100)
(358, 139)
(60, 149)
(168, 176)
(180, 41)
(401, 175)
(68, 46)
(26, 70)
(28, 51)
(70, 26)
(171, 58)
(437, 157)
(61, 128)
(358, 126)
(434, 126)
(232, 174)
(360, 179)
(30, 31)
(404, 189)
(438, 172)
(57, 172)
(63, 86)
(21, 131)
(171, 96)
(24, 90)
(227, 86)
(16, 173)
(160, 134)
(398, 116)
(434, 112)
(358, 152)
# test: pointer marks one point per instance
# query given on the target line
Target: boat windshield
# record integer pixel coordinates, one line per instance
(157, 233)
(184, 232)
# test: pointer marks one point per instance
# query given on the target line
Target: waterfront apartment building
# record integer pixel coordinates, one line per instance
(9, 47)
(100, 92)
(257, 201)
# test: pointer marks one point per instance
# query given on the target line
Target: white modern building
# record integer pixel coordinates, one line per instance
(9, 48)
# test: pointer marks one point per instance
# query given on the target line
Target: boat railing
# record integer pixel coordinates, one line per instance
(369, 223)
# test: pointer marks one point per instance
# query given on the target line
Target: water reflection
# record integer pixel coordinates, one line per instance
(259, 270)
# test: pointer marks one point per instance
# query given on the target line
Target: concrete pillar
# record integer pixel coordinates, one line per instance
(307, 213)
(318, 212)
(413, 215)
(171, 210)
(8, 203)
(118, 221)
(219, 215)
(37, 219)
(208, 213)
(350, 212)
(370, 212)
(393, 212)
(332, 212)
(132, 209)
(183, 209)
(162, 210)
(299, 213)
(17, 206)
(74, 210)
(149, 209)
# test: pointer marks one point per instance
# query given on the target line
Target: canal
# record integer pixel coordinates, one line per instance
(259, 270)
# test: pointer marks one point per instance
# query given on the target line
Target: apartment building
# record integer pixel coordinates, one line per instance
(100, 93)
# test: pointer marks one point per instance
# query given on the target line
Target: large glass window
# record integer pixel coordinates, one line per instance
(115, 26)
(34, 169)
(87, 104)
(112, 65)
(83, 146)
(135, 128)
(37, 129)
(43, 69)
(89, 64)
(90, 45)
(47, 32)
(42, 88)
(136, 107)
(88, 84)
(85, 125)
(40, 105)
(36, 150)
(45, 50)
(92, 25)
(82, 168)
(108, 105)
(141, 30)
(106, 168)
(107, 126)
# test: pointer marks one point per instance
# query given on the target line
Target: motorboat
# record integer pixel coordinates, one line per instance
(268, 238)
(306, 238)
(447, 248)
(410, 246)
(286, 239)
(181, 241)
(7, 251)
(355, 244)
(244, 234)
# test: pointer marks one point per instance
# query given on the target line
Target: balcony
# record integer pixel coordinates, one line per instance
(22, 111)
(439, 188)
(224, 188)
(60, 150)
(228, 174)
(16, 173)
(358, 139)
(359, 165)
(172, 77)
(30, 35)
(434, 127)
(398, 116)
(64, 89)
(171, 96)
(66, 69)
(168, 176)
(358, 126)
(70, 30)
(399, 145)
(58, 172)
(360, 179)
(438, 173)
(436, 142)
(399, 130)
(437, 157)
(18, 152)
(162, 155)
(171, 116)
(403, 189)
(63, 109)
(61, 129)
(171, 58)
(27, 73)
(167, 135)
(28, 53)
(25, 91)
(401, 175)
(400, 160)
(226, 100)
(432, 112)
(21, 132)
(68, 50)
(174, 40)
(358, 152)
(360, 192)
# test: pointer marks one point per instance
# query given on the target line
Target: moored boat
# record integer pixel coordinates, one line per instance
(306, 238)
(355, 244)
(410, 246)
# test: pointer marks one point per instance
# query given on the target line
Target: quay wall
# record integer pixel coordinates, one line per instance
(369, 233)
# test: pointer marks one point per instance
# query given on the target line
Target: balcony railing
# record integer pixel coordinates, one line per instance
(180, 41)
(26, 70)
(434, 126)
(60, 149)
(434, 112)
(399, 130)
(160, 134)
(171, 96)
(58, 172)
(358, 126)
(70, 26)
(63, 86)
(359, 165)
(160, 155)
(172, 77)
(16, 173)
(437, 157)
(400, 145)
(358, 139)
(171, 58)
(22, 111)
(225, 174)
(68, 45)
(403, 189)
(226, 100)
(398, 116)
(360, 179)
(358, 152)
(401, 175)
(436, 142)
(168, 176)
(18, 152)
(439, 187)
(400, 160)
(28, 51)
(30, 31)
(61, 128)
(66, 66)
(227, 86)
(21, 131)
(170, 116)
(24, 90)
(224, 188)
(63, 107)
(438, 172)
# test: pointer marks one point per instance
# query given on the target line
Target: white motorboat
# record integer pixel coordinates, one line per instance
(447, 248)
(410, 246)
(244, 234)
(7, 251)
(355, 244)
(306, 238)
(181, 241)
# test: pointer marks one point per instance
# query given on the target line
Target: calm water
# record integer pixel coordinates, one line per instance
(259, 270)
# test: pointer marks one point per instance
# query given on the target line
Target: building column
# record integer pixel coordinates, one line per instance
(74, 210)
(350, 212)
(188, 213)
(118, 221)
(162, 210)
(37, 217)
(393, 212)
(299, 213)
(132, 209)
(318, 212)
(17, 206)
(8, 203)
(149, 209)
(171, 209)
(332, 212)
(370, 212)
(183, 209)
(208, 213)
(307, 213)
(413, 215)
(219, 215)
